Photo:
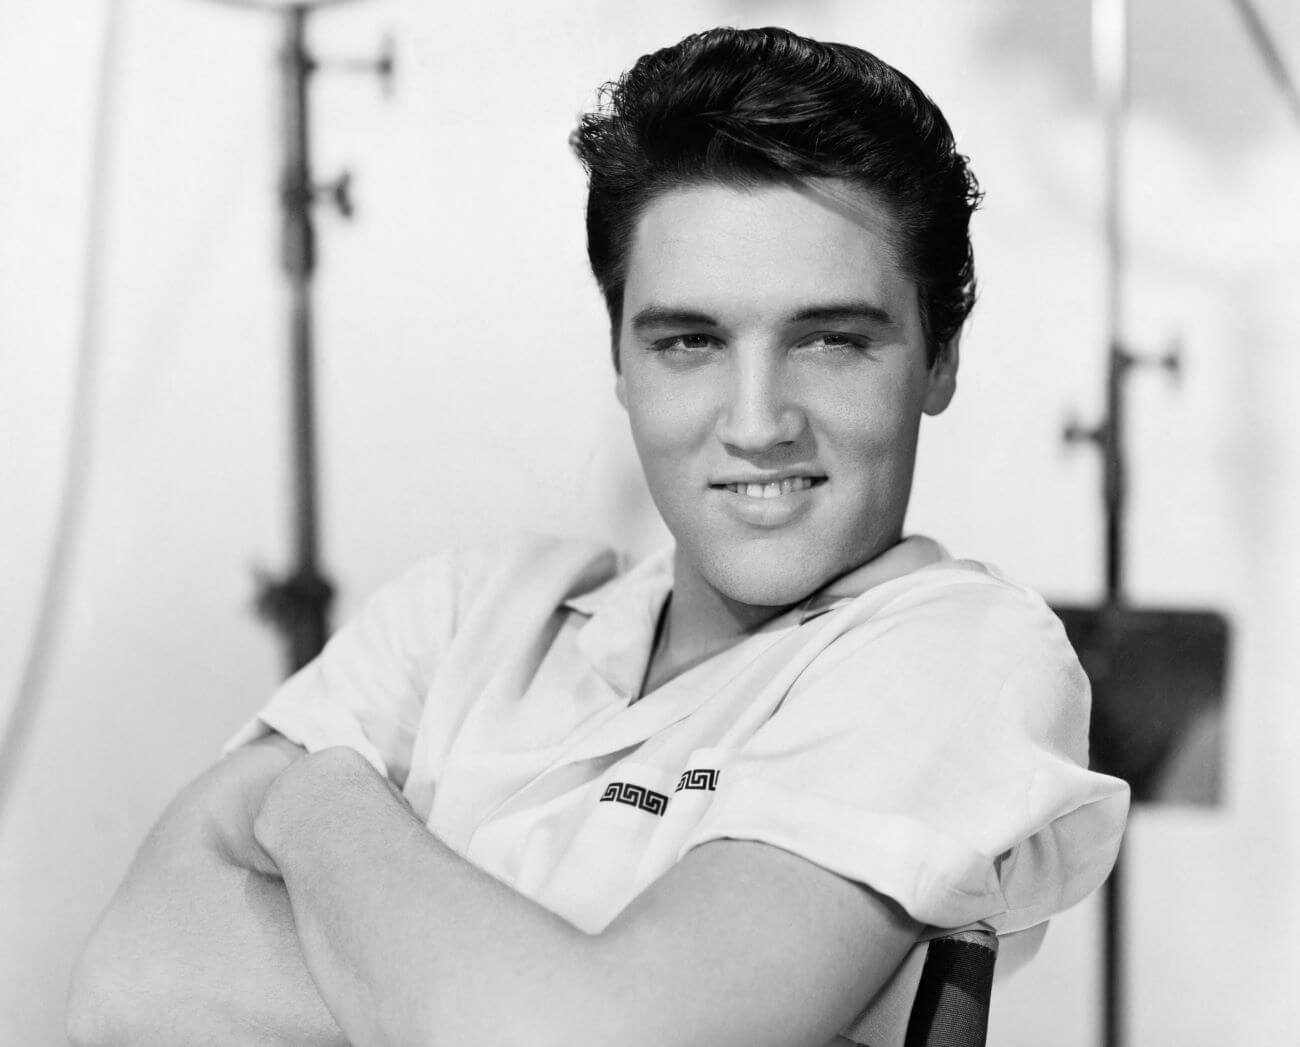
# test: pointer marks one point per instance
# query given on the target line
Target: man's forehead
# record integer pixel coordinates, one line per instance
(675, 210)
(776, 247)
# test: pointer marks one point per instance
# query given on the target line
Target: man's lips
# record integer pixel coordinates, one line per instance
(770, 486)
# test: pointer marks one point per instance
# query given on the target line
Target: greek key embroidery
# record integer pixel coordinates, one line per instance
(636, 796)
(698, 778)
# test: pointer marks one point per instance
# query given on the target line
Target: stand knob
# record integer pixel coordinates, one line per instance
(385, 64)
(1077, 433)
(382, 66)
(1170, 361)
(339, 193)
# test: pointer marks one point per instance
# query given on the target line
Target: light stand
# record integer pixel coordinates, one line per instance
(1153, 671)
(297, 603)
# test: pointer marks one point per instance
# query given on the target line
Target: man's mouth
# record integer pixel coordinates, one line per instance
(774, 488)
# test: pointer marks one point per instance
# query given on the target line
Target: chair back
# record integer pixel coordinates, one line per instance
(951, 1007)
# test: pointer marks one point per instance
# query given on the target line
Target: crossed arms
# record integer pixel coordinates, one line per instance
(286, 899)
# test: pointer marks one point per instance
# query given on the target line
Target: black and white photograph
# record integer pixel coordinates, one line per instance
(705, 523)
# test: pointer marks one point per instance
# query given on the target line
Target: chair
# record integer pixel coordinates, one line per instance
(951, 1006)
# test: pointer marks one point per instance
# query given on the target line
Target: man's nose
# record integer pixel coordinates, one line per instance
(760, 410)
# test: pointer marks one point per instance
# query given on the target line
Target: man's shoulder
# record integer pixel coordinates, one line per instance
(965, 585)
(961, 604)
(948, 637)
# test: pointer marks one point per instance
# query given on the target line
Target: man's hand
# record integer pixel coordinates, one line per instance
(321, 795)
(198, 945)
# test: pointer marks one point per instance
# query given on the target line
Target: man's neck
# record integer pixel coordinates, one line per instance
(698, 622)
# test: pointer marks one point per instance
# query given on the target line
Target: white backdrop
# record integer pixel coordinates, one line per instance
(466, 390)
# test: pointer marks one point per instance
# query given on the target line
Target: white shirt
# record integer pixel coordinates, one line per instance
(919, 726)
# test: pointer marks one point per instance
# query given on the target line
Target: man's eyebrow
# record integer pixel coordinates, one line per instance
(670, 316)
(842, 312)
(654, 316)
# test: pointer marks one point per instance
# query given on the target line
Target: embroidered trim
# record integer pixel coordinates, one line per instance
(637, 796)
(698, 778)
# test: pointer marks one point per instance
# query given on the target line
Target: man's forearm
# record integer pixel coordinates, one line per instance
(196, 948)
(740, 944)
(407, 942)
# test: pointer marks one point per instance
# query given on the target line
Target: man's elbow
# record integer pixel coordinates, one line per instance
(90, 1017)
(86, 1022)
(107, 1002)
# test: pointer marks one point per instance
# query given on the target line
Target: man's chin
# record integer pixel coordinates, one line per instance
(758, 582)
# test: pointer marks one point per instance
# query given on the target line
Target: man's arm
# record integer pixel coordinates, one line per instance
(740, 943)
(198, 944)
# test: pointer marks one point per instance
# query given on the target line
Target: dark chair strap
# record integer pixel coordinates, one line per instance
(951, 1008)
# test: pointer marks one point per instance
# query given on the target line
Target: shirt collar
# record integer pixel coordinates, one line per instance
(623, 613)
(649, 581)
(911, 554)
(624, 610)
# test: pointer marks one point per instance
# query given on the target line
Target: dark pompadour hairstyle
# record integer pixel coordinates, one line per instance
(755, 106)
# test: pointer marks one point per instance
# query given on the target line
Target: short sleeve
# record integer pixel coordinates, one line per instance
(366, 688)
(937, 753)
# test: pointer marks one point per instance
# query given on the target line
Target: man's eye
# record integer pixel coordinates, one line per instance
(684, 343)
(837, 343)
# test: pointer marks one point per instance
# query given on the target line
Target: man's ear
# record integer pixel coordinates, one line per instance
(620, 386)
(943, 377)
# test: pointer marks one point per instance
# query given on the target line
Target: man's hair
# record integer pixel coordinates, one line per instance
(749, 107)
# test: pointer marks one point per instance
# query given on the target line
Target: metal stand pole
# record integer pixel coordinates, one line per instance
(1110, 67)
(298, 603)
(1110, 53)
(1110, 57)
(1113, 1009)
(1110, 72)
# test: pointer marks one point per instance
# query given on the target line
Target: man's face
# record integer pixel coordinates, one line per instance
(774, 371)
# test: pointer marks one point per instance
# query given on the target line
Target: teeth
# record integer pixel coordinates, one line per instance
(774, 489)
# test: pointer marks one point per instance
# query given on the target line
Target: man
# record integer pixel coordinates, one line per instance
(718, 799)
